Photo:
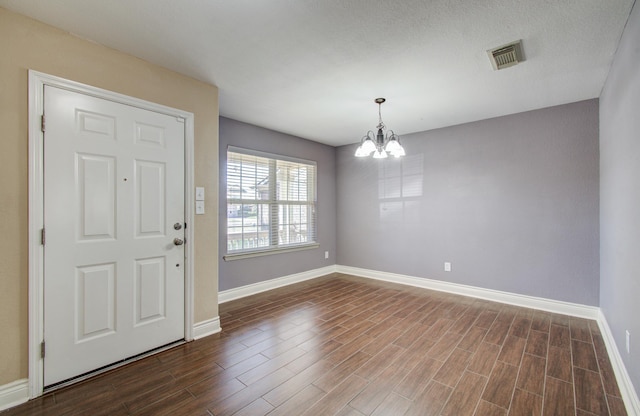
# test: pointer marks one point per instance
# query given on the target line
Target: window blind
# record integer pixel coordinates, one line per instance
(271, 201)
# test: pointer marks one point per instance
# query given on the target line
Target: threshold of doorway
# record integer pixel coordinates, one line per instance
(82, 377)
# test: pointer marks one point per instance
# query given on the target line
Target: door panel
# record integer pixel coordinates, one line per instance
(150, 290)
(95, 301)
(150, 199)
(114, 187)
(96, 195)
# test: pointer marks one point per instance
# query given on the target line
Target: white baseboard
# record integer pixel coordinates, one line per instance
(628, 392)
(14, 393)
(565, 308)
(205, 328)
(248, 290)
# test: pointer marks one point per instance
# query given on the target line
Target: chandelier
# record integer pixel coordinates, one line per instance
(381, 145)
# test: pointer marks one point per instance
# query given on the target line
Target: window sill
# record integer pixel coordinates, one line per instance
(268, 252)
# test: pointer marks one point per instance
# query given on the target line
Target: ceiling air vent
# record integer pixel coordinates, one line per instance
(506, 55)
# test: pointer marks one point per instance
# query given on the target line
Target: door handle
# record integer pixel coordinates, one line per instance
(178, 241)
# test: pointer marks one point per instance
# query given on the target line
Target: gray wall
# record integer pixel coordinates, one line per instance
(620, 196)
(511, 202)
(243, 272)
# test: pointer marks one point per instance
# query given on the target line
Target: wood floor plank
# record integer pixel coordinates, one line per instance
(537, 343)
(452, 369)
(590, 394)
(462, 325)
(338, 397)
(540, 321)
(238, 400)
(382, 340)
(489, 409)
(465, 396)
(484, 358)
(348, 349)
(284, 391)
(418, 378)
(299, 401)
(498, 332)
(268, 367)
(410, 335)
(257, 407)
(485, 319)
(616, 406)
(167, 405)
(606, 370)
(443, 348)
(512, 350)
(204, 386)
(584, 355)
(559, 336)
(232, 359)
(393, 404)
(558, 398)
(349, 411)
(342, 371)
(520, 327)
(473, 338)
(559, 365)
(437, 330)
(379, 362)
(430, 401)
(580, 330)
(531, 375)
(501, 384)
(376, 391)
(525, 404)
(214, 388)
(286, 346)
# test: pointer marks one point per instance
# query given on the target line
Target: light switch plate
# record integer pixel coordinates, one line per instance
(199, 193)
(199, 207)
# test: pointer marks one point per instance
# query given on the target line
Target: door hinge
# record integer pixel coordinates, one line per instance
(42, 123)
(42, 349)
(42, 236)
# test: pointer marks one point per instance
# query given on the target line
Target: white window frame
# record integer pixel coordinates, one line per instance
(273, 205)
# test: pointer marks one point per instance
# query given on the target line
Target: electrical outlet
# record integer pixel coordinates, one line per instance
(447, 266)
(326, 254)
(628, 340)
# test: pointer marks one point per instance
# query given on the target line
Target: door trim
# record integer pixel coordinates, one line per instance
(37, 81)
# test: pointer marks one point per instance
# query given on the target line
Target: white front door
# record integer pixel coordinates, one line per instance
(113, 206)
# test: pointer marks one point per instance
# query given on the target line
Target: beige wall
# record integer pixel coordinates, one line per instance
(28, 44)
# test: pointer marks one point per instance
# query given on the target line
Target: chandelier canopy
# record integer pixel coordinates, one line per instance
(381, 144)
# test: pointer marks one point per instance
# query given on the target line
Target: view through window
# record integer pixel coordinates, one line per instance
(271, 202)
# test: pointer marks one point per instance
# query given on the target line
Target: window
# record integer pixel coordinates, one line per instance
(271, 203)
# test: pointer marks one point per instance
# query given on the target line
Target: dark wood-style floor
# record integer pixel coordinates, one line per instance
(348, 346)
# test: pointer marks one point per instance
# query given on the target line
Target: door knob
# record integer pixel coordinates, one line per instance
(178, 241)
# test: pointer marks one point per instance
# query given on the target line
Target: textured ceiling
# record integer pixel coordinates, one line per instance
(313, 68)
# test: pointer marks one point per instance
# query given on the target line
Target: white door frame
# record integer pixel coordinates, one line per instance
(37, 81)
